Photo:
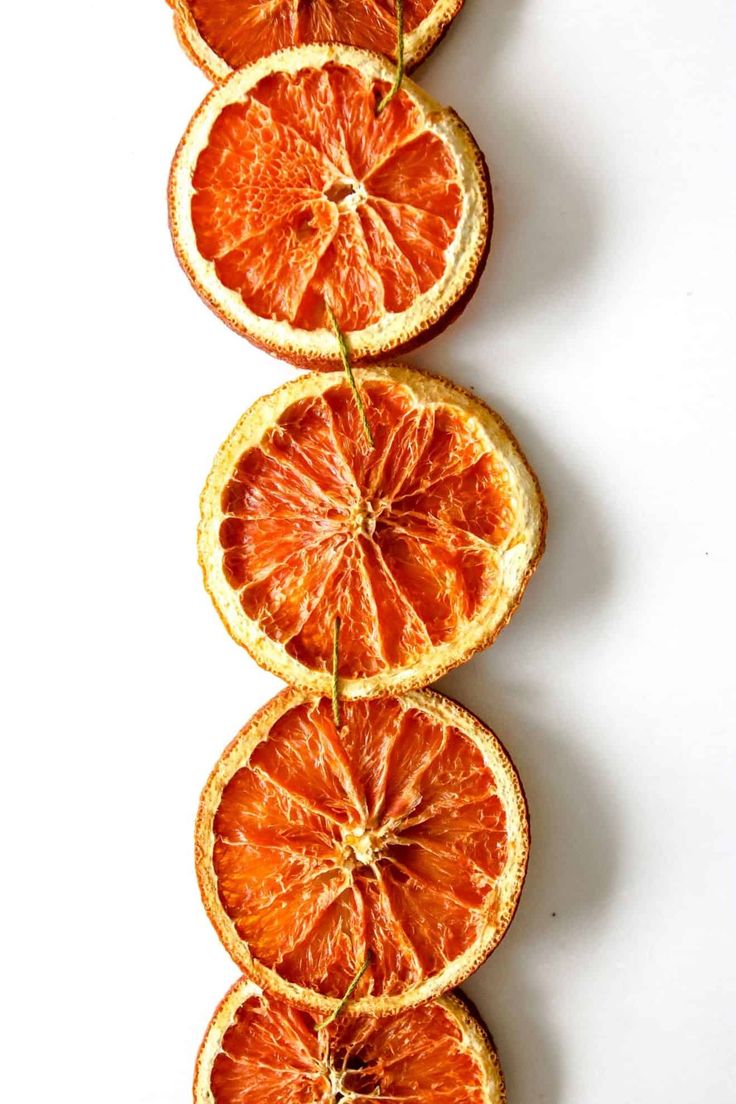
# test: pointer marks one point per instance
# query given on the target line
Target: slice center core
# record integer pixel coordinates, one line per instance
(344, 1095)
(361, 846)
(346, 194)
(363, 519)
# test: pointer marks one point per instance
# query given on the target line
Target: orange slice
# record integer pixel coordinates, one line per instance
(259, 1050)
(290, 197)
(400, 838)
(222, 35)
(422, 546)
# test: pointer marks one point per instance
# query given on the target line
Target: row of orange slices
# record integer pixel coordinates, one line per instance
(362, 843)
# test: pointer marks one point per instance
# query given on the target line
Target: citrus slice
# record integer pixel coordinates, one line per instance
(422, 546)
(290, 197)
(259, 1050)
(399, 839)
(222, 35)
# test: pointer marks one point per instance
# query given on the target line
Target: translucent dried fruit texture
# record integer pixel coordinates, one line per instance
(222, 35)
(259, 1050)
(400, 838)
(289, 196)
(422, 546)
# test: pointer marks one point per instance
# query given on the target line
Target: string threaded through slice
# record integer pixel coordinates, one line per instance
(422, 545)
(399, 839)
(291, 200)
(399, 58)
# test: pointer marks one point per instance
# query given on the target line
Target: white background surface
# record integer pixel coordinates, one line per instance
(603, 331)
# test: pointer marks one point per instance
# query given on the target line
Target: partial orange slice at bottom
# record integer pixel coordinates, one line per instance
(260, 1050)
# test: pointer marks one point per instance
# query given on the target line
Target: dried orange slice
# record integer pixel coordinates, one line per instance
(421, 546)
(259, 1050)
(399, 839)
(290, 197)
(222, 35)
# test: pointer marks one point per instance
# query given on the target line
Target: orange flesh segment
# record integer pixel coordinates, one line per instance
(303, 197)
(240, 31)
(272, 1054)
(386, 837)
(400, 541)
(267, 1056)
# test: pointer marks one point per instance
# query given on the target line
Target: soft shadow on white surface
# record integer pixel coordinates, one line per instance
(578, 568)
(548, 228)
(575, 857)
(548, 221)
(573, 872)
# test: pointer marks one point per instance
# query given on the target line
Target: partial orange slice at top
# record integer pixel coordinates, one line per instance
(422, 546)
(259, 1050)
(398, 838)
(222, 35)
(291, 200)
